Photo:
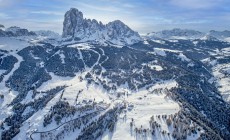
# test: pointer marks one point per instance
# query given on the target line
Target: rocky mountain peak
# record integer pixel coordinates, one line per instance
(72, 22)
(76, 27)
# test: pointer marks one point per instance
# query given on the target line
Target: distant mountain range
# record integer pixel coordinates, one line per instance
(15, 31)
(47, 33)
(186, 34)
(78, 29)
(115, 32)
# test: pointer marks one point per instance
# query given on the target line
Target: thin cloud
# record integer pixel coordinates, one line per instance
(4, 16)
(142, 16)
(128, 5)
(47, 13)
(9, 3)
(196, 4)
(34, 25)
(100, 8)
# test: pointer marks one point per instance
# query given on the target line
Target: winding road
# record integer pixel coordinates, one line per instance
(36, 132)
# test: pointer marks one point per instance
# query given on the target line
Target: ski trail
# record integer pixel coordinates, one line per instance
(16, 66)
(81, 57)
(99, 57)
(9, 94)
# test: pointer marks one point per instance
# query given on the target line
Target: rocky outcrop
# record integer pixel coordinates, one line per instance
(77, 28)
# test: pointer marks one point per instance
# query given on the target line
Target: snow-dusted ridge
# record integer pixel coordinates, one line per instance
(186, 34)
(75, 27)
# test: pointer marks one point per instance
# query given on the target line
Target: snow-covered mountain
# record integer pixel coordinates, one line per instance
(186, 34)
(47, 33)
(176, 34)
(80, 29)
(164, 89)
(15, 32)
(222, 35)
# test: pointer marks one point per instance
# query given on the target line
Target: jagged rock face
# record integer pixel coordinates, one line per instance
(119, 31)
(78, 28)
(73, 22)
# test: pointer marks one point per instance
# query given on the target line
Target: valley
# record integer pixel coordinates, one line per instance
(106, 82)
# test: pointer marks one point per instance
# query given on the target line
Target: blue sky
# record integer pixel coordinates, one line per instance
(141, 15)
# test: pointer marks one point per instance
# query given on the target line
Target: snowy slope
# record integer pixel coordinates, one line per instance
(140, 105)
(19, 43)
(146, 104)
(220, 71)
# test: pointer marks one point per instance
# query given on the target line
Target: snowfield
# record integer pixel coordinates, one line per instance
(222, 81)
(221, 73)
(156, 67)
(161, 51)
(145, 105)
(153, 65)
(183, 57)
(81, 46)
(141, 105)
(74, 84)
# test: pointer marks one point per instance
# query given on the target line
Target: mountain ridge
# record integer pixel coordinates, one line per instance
(76, 27)
(15, 31)
(188, 34)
